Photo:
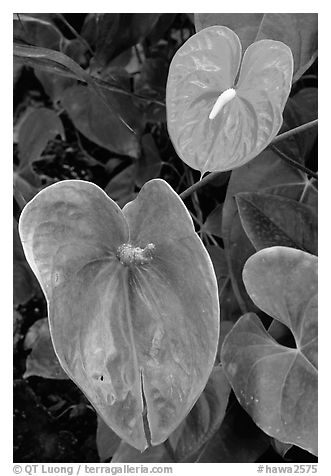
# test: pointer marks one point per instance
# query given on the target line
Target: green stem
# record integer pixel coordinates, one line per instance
(293, 163)
(296, 130)
(209, 178)
(75, 33)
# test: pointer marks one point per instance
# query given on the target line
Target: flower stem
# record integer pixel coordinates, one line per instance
(210, 177)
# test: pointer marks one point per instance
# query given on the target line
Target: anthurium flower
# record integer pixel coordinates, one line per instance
(132, 301)
(216, 121)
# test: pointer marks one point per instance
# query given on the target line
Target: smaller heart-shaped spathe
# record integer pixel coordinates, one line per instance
(214, 122)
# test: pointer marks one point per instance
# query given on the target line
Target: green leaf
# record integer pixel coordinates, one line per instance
(112, 33)
(53, 84)
(271, 220)
(267, 170)
(162, 25)
(42, 360)
(58, 63)
(297, 30)
(230, 310)
(94, 120)
(23, 190)
(153, 77)
(280, 448)
(303, 191)
(300, 109)
(37, 30)
(38, 128)
(204, 69)
(213, 222)
(25, 285)
(133, 324)
(106, 440)
(121, 187)
(203, 420)
(150, 163)
(277, 385)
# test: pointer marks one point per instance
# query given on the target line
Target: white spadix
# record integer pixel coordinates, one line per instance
(222, 99)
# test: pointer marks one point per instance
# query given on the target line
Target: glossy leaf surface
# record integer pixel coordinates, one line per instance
(132, 299)
(271, 220)
(201, 70)
(275, 384)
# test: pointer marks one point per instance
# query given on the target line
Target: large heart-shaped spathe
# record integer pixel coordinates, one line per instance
(132, 301)
(248, 116)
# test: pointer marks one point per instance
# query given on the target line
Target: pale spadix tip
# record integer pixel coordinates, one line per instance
(222, 99)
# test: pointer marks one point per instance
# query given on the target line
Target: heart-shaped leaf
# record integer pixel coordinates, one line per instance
(277, 385)
(132, 301)
(271, 220)
(215, 123)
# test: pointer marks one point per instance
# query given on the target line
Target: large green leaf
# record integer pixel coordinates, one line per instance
(271, 220)
(297, 30)
(267, 170)
(202, 72)
(275, 384)
(132, 301)
(112, 33)
(59, 63)
(37, 29)
(98, 122)
(300, 109)
(39, 127)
